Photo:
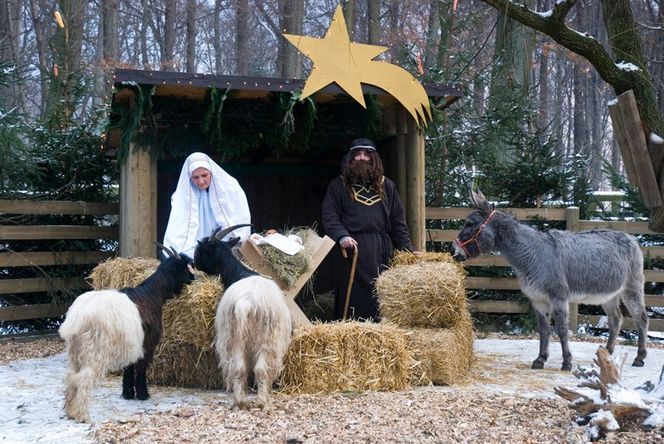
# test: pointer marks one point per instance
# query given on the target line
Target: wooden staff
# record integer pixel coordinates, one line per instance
(350, 279)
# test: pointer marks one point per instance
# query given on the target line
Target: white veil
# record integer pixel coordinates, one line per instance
(227, 200)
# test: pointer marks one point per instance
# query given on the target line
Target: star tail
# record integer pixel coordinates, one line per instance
(401, 85)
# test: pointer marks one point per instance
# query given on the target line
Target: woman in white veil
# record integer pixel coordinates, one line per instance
(206, 197)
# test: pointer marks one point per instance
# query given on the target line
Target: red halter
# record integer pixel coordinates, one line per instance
(474, 237)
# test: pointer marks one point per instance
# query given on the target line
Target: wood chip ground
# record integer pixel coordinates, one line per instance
(463, 414)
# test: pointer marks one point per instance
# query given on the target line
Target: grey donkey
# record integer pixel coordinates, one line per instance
(554, 268)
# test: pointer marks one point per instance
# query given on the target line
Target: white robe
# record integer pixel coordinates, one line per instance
(195, 213)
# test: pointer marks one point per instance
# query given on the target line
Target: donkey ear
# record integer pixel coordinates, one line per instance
(480, 202)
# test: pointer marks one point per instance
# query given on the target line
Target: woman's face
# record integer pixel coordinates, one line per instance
(201, 178)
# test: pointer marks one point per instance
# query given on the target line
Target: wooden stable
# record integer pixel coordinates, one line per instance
(402, 152)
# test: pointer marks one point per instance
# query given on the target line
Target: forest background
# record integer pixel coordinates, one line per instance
(532, 125)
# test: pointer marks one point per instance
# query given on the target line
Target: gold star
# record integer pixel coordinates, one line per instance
(337, 59)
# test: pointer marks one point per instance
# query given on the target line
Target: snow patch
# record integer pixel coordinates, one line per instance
(626, 66)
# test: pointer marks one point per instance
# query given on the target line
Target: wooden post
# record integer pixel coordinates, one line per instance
(623, 145)
(572, 221)
(415, 183)
(390, 153)
(138, 204)
(402, 130)
(638, 147)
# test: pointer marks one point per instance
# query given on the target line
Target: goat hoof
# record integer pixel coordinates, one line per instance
(566, 367)
(537, 365)
(142, 396)
(128, 395)
(637, 363)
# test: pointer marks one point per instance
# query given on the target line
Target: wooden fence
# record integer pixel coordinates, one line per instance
(61, 260)
(65, 259)
(572, 222)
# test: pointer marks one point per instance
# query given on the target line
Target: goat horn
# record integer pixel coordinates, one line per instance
(221, 234)
(170, 252)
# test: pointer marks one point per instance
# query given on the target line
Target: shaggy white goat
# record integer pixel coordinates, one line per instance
(111, 330)
(252, 323)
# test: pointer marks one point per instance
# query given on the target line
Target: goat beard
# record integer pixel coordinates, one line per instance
(361, 172)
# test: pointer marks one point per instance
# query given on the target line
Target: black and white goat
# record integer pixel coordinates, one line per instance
(252, 324)
(110, 330)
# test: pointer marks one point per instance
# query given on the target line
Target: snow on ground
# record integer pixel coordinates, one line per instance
(31, 396)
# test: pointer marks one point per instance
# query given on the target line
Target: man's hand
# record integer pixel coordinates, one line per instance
(347, 242)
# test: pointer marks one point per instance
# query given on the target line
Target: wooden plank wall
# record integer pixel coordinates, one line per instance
(571, 218)
(62, 259)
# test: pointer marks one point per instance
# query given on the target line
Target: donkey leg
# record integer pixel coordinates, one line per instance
(561, 320)
(613, 313)
(634, 303)
(544, 327)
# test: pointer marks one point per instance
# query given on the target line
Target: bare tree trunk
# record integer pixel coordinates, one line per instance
(373, 28)
(168, 47)
(241, 37)
(191, 36)
(218, 64)
(291, 21)
(432, 35)
(74, 13)
(145, 25)
(393, 29)
(108, 44)
(39, 22)
(10, 24)
(350, 16)
(511, 73)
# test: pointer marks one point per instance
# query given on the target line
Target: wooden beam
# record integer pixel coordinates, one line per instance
(35, 285)
(519, 213)
(36, 311)
(638, 147)
(56, 207)
(29, 259)
(620, 225)
(35, 232)
(621, 140)
(511, 307)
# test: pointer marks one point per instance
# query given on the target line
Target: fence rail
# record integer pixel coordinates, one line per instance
(14, 228)
(572, 222)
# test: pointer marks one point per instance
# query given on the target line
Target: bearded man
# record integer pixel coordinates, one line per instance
(362, 210)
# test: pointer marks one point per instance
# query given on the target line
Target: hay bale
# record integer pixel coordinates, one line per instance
(189, 317)
(122, 272)
(444, 356)
(407, 258)
(332, 357)
(423, 294)
(181, 364)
